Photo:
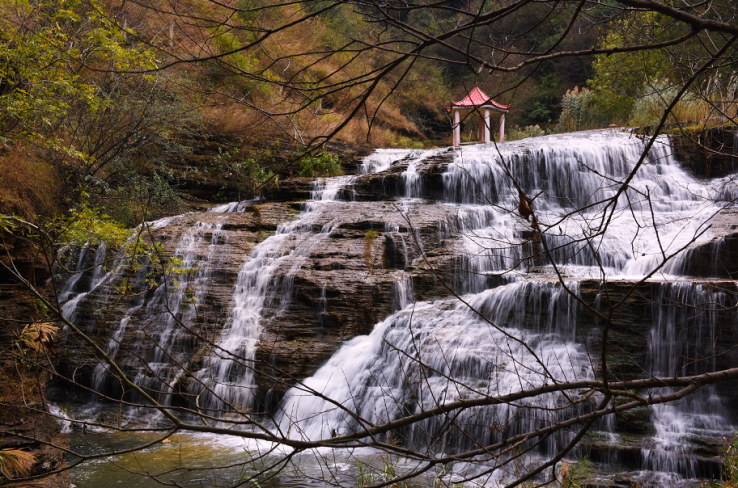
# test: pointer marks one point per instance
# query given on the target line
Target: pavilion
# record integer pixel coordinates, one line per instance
(478, 101)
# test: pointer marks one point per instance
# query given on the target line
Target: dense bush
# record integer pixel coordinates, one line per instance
(323, 164)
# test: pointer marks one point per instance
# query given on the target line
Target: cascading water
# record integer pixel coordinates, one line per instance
(407, 362)
(71, 295)
(180, 294)
(177, 293)
(517, 326)
(685, 315)
(265, 281)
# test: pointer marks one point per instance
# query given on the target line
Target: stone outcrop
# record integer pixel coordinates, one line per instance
(389, 184)
(198, 169)
(718, 257)
(339, 289)
(710, 153)
(345, 285)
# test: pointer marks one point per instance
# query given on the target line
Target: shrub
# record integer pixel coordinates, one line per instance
(581, 110)
(518, 133)
(730, 464)
(323, 164)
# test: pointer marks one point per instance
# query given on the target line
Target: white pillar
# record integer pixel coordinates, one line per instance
(457, 128)
(486, 125)
(502, 127)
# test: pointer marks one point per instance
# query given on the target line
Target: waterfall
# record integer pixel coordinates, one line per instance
(523, 331)
(442, 351)
(382, 159)
(685, 317)
(181, 293)
(516, 320)
(581, 170)
(71, 294)
(264, 289)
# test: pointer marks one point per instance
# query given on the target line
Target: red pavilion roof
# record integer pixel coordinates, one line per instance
(477, 98)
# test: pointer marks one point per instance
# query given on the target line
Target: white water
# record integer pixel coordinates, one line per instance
(437, 352)
(428, 353)
(103, 269)
(684, 327)
(181, 293)
(573, 171)
(265, 281)
(264, 289)
(70, 296)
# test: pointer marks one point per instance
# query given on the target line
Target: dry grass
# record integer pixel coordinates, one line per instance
(423, 88)
(15, 463)
(28, 185)
(37, 336)
(693, 109)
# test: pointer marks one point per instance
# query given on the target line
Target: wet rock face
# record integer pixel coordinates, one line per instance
(343, 285)
(339, 265)
(213, 247)
(389, 184)
(644, 304)
(717, 258)
(347, 284)
(688, 325)
(339, 288)
(710, 153)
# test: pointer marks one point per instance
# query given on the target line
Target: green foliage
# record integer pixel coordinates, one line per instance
(730, 463)
(141, 196)
(618, 78)
(323, 164)
(542, 108)
(89, 226)
(576, 474)
(44, 46)
(387, 472)
(653, 99)
(691, 109)
(43, 310)
(582, 110)
(517, 133)
(624, 73)
(365, 477)
(241, 61)
(71, 87)
(251, 176)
